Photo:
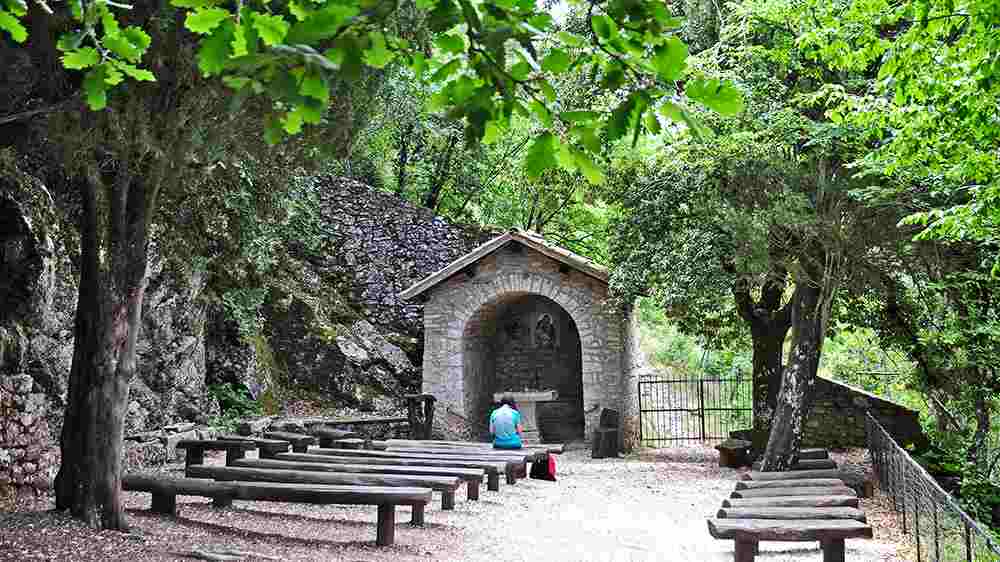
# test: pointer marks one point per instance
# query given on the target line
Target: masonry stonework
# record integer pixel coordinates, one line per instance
(837, 418)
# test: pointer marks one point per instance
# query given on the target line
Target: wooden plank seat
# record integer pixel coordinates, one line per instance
(791, 501)
(506, 454)
(514, 464)
(769, 512)
(165, 492)
(553, 448)
(814, 464)
(266, 448)
(794, 483)
(804, 491)
(471, 476)
(793, 475)
(327, 435)
(444, 484)
(492, 469)
(748, 532)
(349, 443)
(300, 442)
(813, 454)
(235, 449)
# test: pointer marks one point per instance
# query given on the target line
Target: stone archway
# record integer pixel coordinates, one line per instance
(523, 341)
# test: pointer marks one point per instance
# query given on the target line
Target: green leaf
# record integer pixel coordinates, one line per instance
(109, 23)
(670, 58)
(136, 73)
(322, 24)
(418, 65)
(378, 54)
(541, 156)
(204, 20)
(604, 26)
(121, 46)
(271, 28)
(579, 116)
(239, 41)
(112, 76)
(541, 112)
(17, 7)
(520, 71)
(193, 4)
(95, 89)
(492, 133)
(450, 43)
(447, 70)
(652, 123)
(314, 86)
(567, 161)
(214, 50)
(721, 97)
(10, 24)
(556, 62)
(571, 40)
(84, 57)
(588, 167)
(137, 37)
(235, 82)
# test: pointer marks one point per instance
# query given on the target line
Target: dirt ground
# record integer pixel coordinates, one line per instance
(624, 510)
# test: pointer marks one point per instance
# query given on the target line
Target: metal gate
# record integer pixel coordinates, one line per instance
(672, 410)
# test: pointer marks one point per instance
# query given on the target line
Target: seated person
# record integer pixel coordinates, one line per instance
(505, 425)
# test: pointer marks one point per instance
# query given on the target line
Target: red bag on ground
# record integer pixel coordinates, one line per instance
(544, 471)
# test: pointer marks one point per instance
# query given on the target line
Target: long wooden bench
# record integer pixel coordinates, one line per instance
(444, 484)
(327, 435)
(514, 464)
(492, 469)
(266, 448)
(794, 491)
(165, 491)
(553, 448)
(471, 476)
(300, 442)
(748, 532)
(792, 501)
(235, 449)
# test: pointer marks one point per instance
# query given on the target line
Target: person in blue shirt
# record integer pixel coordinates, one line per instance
(505, 425)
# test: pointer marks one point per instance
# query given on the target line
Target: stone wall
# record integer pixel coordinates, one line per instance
(837, 418)
(27, 460)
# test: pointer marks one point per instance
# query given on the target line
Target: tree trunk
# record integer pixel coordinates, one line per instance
(403, 159)
(768, 328)
(795, 395)
(112, 285)
(433, 196)
(982, 431)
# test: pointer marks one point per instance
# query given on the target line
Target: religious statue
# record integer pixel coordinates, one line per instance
(545, 332)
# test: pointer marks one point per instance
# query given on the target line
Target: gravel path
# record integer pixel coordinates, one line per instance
(600, 510)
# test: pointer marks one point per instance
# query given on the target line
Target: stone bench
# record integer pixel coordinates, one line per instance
(300, 442)
(444, 484)
(165, 491)
(492, 469)
(471, 476)
(235, 449)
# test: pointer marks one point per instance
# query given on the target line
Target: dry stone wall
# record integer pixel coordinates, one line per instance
(837, 418)
(27, 460)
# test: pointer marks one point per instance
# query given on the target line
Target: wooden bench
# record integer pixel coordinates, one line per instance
(327, 435)
(266, 448)
(514, 464)
(553, 448)
(492, 469)
(792, 501)
(353, 443)
(300, 442)
(749, 532)
(235, 449)
(444, 484)
(165, 491)
(471, 476)
(794, 491)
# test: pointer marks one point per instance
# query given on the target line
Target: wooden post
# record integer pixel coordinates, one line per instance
(416, 432)
(164, 503)
(234, 454)
(511, 474)
(385, 533)
(745, 551)
(447, 500)
(493, 482)
(300, 447)
(418, 515)
(833, 550)
(428, 415)
(473, 489)
(195, 455)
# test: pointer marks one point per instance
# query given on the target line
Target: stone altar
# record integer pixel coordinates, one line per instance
(526, 404)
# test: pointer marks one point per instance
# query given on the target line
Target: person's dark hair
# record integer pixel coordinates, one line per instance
(508, 400)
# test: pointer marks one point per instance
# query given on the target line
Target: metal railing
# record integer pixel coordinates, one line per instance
(938, 527)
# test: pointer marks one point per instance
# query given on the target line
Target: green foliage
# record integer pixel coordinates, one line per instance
(669, 349)
(235, 404)
(484, 66)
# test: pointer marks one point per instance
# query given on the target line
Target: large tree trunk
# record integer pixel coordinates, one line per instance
(795, 395)
(112, 285)
(768, 327)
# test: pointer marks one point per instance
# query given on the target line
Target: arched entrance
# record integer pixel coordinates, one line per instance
(521, 341)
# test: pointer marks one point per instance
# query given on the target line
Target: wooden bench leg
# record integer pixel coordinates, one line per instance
(448, 500)
(326, 442)
(511, 477)
(233, 455)
(385, 533)
(300, 448)
(473, 489)
(833, 550)
(745, 551)
(266, 453)
(222, 501)
(164, 503)
(493, 482)
(418, 515)
(194, 456)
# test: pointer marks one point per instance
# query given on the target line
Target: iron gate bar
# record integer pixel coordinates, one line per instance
(668, 408)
